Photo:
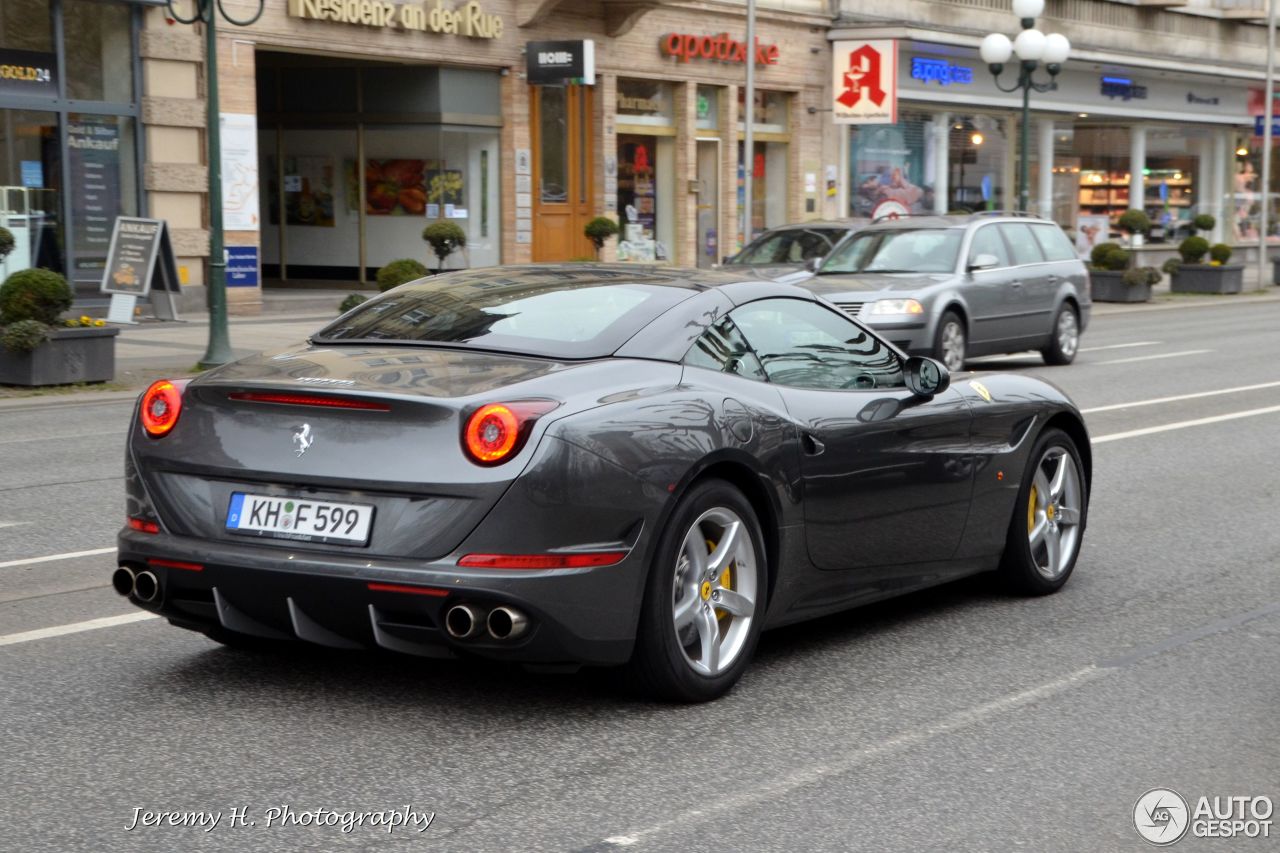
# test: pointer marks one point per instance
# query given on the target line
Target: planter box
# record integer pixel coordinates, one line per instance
(1109, 286)
(70, 355)
(1275, 271)
(1205, 278)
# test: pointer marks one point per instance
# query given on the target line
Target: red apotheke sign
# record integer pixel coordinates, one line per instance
(719, 48)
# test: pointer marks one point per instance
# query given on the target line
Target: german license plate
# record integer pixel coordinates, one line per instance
(299, 518)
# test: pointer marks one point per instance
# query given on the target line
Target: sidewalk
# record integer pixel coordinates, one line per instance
(152, 350)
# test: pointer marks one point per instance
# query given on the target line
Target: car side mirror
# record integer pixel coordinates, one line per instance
(925, 377)
(813, 264)
(983, 262)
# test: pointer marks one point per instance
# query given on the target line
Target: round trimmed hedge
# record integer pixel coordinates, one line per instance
(35, 294)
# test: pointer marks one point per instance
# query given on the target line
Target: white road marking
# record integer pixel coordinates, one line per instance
(74, 628)
(1180, 397)
(1134, 433)
(1154, 357)
(908, 739)
(1121, 346)
(54, 437)
(53, 558)
(4, 524)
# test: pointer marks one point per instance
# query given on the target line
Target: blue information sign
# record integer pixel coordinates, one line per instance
(32, 174)
(242, 266)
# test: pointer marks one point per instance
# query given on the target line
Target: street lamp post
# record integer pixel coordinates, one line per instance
(1032, 47)
(219, 348)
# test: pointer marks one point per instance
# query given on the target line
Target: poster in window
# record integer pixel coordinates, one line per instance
(395, 187)
(240, 172)
(308, 190)
(1090, 231)
(445, 187)
(94, 166)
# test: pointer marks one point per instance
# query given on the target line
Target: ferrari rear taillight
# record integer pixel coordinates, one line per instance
(161, 405)
(496, 432)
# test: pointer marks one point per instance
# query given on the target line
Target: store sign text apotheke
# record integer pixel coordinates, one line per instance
(469, 20)
(721, 48)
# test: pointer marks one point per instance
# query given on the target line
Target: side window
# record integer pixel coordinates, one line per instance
(987, 241)
(1054, 243)
(1023, 245)
(722, 348)
(805, 345)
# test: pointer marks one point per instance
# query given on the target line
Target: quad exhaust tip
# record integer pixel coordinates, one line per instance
(122, 580)
(463, 621)
(506, 623)
(146, 587)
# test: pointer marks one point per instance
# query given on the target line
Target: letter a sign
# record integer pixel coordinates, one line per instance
(865, 82)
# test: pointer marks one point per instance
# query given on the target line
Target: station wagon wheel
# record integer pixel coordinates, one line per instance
(951, 343)
(1048, 519)
(704, 600)
(1065, 342)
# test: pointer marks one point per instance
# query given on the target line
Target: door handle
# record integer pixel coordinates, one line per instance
(812, 446)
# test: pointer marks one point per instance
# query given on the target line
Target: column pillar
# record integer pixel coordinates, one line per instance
(728, 121)
(1044, 189)
(941, 164)
(1137, 162)
(1217, 167)
(685, 251)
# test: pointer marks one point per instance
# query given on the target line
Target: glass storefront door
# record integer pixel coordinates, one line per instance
(31, 178)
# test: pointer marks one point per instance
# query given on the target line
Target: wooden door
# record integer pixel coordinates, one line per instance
(563, 189)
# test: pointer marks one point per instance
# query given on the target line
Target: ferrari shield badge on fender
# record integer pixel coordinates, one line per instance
(974, 384)
(302, 439)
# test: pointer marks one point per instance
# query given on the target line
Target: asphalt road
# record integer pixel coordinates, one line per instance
(957, 719)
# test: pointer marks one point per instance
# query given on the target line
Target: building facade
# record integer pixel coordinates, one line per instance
(349, 126)
(1154, 110)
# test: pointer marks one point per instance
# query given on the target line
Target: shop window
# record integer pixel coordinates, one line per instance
(31, 175)
(99, 51)
(1246, 192)
(770, 110)
(646, 165)
(644, 102)
(976, 152)
(891, 167)
(708, 116)
(102, 179)
(25, 25)
(768, 188)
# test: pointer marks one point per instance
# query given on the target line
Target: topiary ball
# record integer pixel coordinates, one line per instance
(1170, 266)
(1220, 253)
(1193, 249)
(7, 243)
(352, 301)
(24, 336)
(398, 272)
(1203, 222)
(1135, 222)
(1100, 251)
(35, 294)
(1116, 259)
(444, 237)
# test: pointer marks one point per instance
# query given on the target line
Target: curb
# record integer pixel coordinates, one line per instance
(1206, 302)
(73, 398)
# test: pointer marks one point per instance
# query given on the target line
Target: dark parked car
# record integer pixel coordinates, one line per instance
(587, 464)
(959, 286)
(787, 248)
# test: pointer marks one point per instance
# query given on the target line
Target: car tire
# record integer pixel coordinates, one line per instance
(1064, 340)
(1047, 529)
(950, 342)
(683, 636)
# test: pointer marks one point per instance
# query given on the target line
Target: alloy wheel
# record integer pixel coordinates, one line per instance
(714, 593)
(953, 346)
(1054, 511)
(1068, 333)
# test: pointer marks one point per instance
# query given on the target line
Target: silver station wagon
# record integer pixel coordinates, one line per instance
(955, 287)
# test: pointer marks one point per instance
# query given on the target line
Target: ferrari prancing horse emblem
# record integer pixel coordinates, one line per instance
(302, 439)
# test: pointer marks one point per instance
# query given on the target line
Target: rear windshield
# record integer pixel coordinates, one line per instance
(791, 246)
(558, 314)
(898, 250)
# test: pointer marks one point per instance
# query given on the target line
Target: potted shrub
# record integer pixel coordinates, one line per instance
(1136, 224)
(1203, 222)
(7, 243)
(444, 237)
(1106, 272)
(1137, 284)
(1192, 275)
(353, 300)
(398, 272)
(36, 348)
(599, 230)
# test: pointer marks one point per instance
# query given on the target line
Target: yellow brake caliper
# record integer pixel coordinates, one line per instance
(726, 580)
(1031, 508)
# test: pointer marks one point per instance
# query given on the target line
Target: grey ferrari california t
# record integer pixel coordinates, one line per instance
(587, 464)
